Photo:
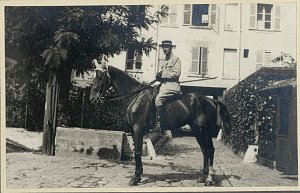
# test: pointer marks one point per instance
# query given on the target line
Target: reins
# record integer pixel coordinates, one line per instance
(201, 79)
(130, 93)
(149, 84)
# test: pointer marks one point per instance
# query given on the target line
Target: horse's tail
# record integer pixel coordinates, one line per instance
(223, 116)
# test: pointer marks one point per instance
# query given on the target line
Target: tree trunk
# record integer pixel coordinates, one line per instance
(49, 128)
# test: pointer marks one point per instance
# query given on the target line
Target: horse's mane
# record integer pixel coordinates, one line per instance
(117, 73)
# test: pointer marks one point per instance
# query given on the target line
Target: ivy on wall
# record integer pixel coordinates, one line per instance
(253, 115)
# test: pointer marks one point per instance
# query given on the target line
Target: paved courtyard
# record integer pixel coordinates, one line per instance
(178, 164)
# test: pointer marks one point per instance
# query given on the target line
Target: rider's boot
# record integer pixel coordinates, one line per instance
(159, 124)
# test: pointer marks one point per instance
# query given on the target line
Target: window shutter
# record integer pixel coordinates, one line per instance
(195, 61)
(277, 18)
(213, 14)
(187, 15)
(204, 60)
(268, 57)
(253, 15)
(259, 59)
(173, 14)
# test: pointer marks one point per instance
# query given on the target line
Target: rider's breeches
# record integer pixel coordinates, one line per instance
(164, 96)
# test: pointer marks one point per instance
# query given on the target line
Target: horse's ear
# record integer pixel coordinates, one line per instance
(98, 66)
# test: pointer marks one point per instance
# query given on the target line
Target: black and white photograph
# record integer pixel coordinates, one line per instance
(162, 96)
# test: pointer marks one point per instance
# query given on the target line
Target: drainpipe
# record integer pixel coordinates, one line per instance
(240, 44)
(157, 47)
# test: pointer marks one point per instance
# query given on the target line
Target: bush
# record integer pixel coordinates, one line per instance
(253, 115)
(15, 107)
(78, 111)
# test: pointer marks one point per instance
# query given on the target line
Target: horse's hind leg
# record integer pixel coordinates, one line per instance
(204, 139)
(138, 143)
(209, 154)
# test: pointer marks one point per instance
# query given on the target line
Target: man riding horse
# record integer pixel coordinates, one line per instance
(202, 114)
(168, 75)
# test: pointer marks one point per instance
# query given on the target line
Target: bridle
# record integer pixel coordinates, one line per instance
(108, 77)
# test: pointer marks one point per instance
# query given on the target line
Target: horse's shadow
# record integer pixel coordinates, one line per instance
(179, 177)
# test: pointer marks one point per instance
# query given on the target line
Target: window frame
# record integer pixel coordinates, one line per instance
(171, 8)
(137, 57)
(264, 14)
(190, 13)
(201, 58)
(275, 17)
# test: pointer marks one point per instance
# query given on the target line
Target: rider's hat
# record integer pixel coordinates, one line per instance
(167, 43)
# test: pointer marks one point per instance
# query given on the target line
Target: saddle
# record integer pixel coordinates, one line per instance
(156, 91)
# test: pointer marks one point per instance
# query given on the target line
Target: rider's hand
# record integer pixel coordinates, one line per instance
(158, 75)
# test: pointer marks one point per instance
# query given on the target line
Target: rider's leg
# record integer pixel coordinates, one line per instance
(159, 127)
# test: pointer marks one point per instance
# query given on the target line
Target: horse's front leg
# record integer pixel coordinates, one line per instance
(138, 144)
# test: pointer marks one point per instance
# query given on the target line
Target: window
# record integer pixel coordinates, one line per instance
(263, 58)
(199, 61)
(231, 17)
(133, 59)
(246, 53)
(171, 18)
(265, 16)
(198, 14)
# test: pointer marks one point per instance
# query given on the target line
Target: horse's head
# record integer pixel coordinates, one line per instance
(101, 82)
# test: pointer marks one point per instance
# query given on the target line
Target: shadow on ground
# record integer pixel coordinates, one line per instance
(180, 177)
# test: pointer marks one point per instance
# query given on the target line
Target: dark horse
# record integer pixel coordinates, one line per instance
(202, 114)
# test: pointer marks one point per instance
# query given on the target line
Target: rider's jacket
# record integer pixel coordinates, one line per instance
(171, 70)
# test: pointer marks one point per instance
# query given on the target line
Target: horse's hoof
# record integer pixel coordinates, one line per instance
(134, 181)
(202, 179)
(208, 183)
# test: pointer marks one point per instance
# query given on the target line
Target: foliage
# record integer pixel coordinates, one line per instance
(16, 108)
(80, 112)
(253, 115)
(59, 39)
(285, 60)
(73, 36)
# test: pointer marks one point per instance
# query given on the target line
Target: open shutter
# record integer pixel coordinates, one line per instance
(187, 14)
(173, 14)
(214, 17)
(204, 60)
(253, 16)
(213, 14)
(259, 59)
(195, 61)
(277, 18)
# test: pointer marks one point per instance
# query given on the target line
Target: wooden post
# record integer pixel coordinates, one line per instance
(82, 108)
(49, 128)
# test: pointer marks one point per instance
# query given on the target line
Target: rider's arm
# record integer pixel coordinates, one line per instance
(174, 70)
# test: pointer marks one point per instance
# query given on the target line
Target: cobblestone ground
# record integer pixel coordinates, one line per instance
(178, 164)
